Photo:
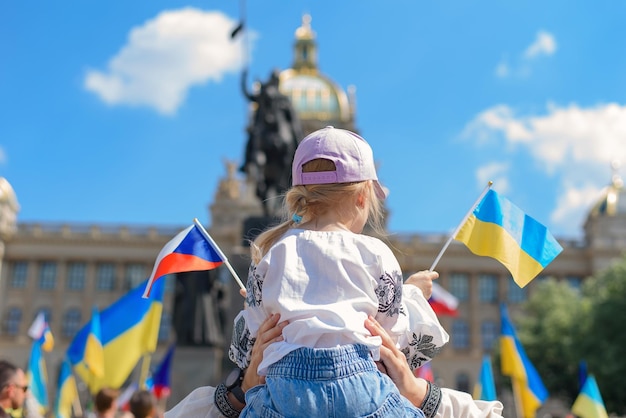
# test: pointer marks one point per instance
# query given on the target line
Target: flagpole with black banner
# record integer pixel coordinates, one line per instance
(219, 251)
(458, 228)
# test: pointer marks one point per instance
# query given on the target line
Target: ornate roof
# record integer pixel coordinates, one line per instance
(313, 95)
(613, 199)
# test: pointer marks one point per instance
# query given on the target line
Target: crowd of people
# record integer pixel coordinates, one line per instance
(16, 401)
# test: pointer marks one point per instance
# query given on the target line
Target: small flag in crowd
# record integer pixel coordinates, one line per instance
(190, 250)
(589, 403)
(67, 393)
(40, 330)
(38, 377)
(159, 383)
(443, 302)
(528, 387)
(499, 229)
(485, 388)
(94, 353)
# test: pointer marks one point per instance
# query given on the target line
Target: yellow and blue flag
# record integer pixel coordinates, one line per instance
(589, 403)
(485, 388)
(67, 393)
(529, 391)
(94, 352)
(37, 376)
(40, 330)
(499, 229)
(129, 329)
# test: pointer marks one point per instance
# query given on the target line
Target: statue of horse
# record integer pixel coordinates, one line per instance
(273, 135)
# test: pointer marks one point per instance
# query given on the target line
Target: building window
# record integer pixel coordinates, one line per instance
(19, 274)
(76, 276)
(47, 275)
(459, 286)
(460, 335)
(71, 322)
(13, 321)
(515, 294)
(105, 276)
(463, 382)
(135, 275)
(489, 333)
(164, 327)
(488, 288)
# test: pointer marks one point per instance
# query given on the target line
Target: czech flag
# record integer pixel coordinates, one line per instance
(443, 302)
(190, 250)
(499, 229)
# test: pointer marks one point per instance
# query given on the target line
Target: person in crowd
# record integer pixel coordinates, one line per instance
(105, 403)
(324, 277)
(143, 404)
(13, 388)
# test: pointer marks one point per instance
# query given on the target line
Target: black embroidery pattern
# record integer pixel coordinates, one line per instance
(254, 287)
(241, 344)
(420, 350)
(389, 293)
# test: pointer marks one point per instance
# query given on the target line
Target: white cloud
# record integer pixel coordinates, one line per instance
(168, 55)
(577, 144)
(496, 172)
(544, 45)
(3, 156)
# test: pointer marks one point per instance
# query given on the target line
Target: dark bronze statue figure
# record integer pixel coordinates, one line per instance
(273, 136)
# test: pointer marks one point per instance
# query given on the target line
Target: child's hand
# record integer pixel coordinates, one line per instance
(424, 280)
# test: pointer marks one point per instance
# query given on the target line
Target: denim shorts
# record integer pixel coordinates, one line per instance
(327, 382)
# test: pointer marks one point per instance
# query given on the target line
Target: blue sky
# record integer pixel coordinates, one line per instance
(124, 111)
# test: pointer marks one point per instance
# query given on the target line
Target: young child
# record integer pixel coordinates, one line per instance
(324, 277)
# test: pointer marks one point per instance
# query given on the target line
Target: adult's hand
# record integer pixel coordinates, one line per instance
(424, 280)
(394, 364)
(270, 331)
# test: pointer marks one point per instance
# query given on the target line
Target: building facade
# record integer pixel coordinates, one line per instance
(66, 269)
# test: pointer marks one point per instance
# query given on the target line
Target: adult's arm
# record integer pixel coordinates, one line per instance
(434, 402)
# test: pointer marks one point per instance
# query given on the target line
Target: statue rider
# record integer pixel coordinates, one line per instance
(273, 136)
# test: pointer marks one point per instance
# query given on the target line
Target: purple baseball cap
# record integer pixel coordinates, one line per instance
(353, 158)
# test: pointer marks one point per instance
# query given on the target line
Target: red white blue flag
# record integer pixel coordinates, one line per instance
(443, 302)
(190, 250)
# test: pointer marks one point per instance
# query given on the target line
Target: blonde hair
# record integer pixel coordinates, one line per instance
(313, 200)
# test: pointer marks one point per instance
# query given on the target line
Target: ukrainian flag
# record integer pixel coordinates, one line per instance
(37, 376)
(528, 389)
(485, 388)
(66, 392)
(129, 329)
(499, 229)
(589, 403)
(94, 352)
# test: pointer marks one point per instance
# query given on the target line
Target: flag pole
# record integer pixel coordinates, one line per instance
(517, 398)
(221, 254)
(458, 228)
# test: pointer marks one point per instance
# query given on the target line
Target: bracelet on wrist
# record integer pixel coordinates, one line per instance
(222, 403)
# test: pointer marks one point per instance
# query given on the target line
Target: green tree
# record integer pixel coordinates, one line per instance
(549, 331)
(603, 343)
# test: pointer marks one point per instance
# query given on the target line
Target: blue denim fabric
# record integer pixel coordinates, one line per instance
(327, 382)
